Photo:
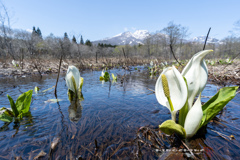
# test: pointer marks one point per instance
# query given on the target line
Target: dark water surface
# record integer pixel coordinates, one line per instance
(107, 124)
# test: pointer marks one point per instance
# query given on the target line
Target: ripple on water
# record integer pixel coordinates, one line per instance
(110, 116)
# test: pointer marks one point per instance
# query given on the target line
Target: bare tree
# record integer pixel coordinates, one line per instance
(176, 34)
(5, 32)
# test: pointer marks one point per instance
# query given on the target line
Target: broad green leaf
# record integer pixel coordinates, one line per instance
(23, 102)
(184, 110)
(101, 78)
(169, 127)
(214, 105)
(5, 118)
(13, 106)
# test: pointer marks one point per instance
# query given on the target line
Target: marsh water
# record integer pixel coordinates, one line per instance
(109, 122)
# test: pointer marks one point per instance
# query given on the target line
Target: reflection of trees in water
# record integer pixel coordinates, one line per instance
(137, 83)
(75, 111)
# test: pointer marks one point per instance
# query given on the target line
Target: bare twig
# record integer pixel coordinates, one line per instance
(222, 135)
(206, 38)
(171, 48)
(188, 149)
(151, 90)
(55, 91)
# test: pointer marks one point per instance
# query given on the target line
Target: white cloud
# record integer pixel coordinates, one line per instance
(125, 29)
(29, 30)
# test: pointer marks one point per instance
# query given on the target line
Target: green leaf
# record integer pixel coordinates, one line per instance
(20, 115)
(169, 127)
(24, 101)
(214, 105)
(101, 78)
(106, 76)
(36, 89)
(183, 114)
(114, 77)
(13, 106)
(5, 118)
(81, 83)
(184, 110)
(74, 84)
(6, 111)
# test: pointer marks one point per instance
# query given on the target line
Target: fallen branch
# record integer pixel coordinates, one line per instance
(151, 90)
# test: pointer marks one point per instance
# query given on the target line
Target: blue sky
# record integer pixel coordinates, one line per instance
(98, 19)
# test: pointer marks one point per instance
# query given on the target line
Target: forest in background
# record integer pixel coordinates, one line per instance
(21, 45)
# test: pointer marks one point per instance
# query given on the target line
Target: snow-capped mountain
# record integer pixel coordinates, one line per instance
(126, 38)
(201, 39)
(138, 38)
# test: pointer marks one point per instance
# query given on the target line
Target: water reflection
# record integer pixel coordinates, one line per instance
(111, 119)
(75, 111)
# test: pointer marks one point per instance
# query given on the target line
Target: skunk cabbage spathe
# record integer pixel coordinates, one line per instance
(176, 88)
(196, 74)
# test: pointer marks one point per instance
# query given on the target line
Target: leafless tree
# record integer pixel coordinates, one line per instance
(5, 32)
(176, 33)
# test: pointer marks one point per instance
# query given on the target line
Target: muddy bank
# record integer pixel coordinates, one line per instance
(225, 74)
(34, 67)
(220, 74)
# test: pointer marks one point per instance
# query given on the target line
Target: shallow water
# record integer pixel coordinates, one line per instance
(106, 124)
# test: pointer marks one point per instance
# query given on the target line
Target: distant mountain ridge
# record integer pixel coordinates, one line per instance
(138, 38)
(126, 38)
(201, 39)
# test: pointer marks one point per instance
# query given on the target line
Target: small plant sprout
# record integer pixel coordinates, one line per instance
(74, 83)
(177, 92)
(104, 76)
(36, 89)
(114, 78)
(18, 109)
(228, 61)
(212, 63)
(14, 63)
(151, 64)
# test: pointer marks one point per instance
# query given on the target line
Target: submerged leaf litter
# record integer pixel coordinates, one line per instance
(113, 121)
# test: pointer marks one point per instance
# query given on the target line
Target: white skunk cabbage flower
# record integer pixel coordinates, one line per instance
(196, 74)
(171, 90)
(73, 79)
(193, 118)
(103, 72)
(151, 63)
(14, 63)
